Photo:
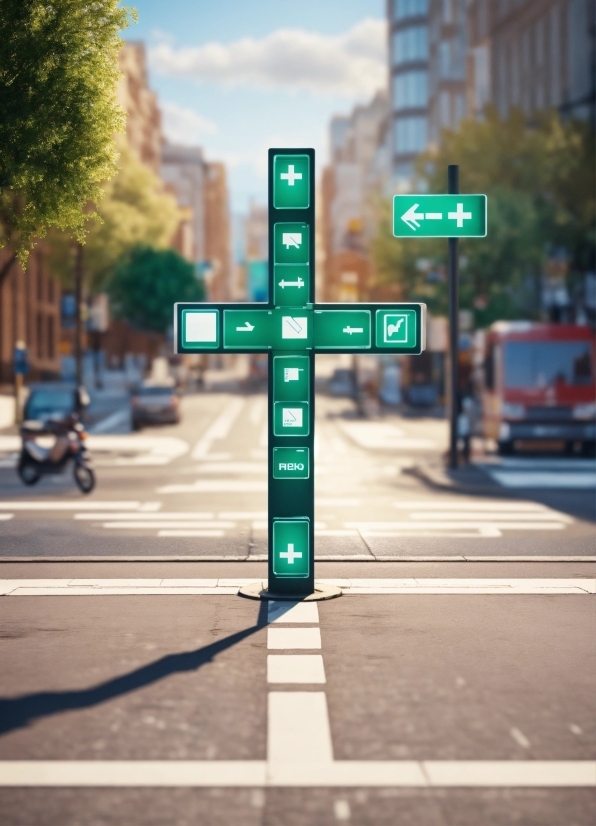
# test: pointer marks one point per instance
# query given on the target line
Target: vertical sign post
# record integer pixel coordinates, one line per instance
(453, 286)
(292, 328)
(451, 216)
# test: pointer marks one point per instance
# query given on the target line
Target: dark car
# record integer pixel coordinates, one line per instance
(155, 404)
(54, 402)
(342, 382)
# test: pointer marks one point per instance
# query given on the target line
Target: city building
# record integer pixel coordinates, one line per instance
(218, 243)
(143, 116)
(352, 185)
(532, 54)
(30, 312)
(183, 171)
(447, 60)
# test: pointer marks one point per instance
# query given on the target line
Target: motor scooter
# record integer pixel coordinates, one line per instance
(69, 445)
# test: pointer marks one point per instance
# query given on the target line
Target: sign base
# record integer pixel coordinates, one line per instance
(257, 591)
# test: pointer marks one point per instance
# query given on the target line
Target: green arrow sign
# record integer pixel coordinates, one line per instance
(439, 216)
(291, 328)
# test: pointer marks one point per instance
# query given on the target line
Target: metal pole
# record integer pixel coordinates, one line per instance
(453, 189)
(78, 316)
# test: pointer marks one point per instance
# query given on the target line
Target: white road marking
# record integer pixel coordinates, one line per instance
(575, 729)
(219, 429)
(240, 515)
(477, 533)
(216, 486)
(257, 410)
(246, 557)
(341, 810)
(460, 524)
(382, 436)
(172, 534)
(232, 467)
(258, 773)
(288, 638)
(73, 505)
(264, 437)
(494, 517)
(537, 479)
(148, 515)
(295, 668)
(286, 611)
(156, 524)
(473, 505)
(350, 587)
(4, 517)
(336, 502)
(151, 450)
(298, 731)
(520, 738)
(117, 419)
(262, 525)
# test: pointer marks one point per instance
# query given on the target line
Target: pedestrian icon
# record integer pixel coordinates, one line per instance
(292, 239)
(292, 327)
(395, 330)
(292, 417)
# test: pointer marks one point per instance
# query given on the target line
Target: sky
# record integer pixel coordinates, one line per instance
(238, 76)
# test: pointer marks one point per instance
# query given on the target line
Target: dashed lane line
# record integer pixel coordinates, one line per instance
(218, 430)
(350, 587)
(295, 668)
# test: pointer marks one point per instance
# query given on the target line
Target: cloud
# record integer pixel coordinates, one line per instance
(184, 126)
(352, 64)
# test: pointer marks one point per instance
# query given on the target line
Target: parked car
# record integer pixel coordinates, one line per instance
(54, 401)
(155, 404)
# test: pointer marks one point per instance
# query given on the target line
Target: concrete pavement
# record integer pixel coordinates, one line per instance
(452, 684)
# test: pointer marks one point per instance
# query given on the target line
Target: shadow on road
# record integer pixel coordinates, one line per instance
(17, 712)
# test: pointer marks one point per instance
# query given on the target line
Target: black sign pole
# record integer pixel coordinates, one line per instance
(453, 189)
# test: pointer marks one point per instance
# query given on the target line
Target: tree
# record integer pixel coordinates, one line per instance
(148, 282)
(540, 185)
(58, 84)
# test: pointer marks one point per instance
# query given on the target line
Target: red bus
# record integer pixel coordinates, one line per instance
(538, 385)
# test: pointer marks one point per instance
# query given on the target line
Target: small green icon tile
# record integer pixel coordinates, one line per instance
(396, 329)
(291, 285)
(291, 378)
(248, 329)
(291, 243)
(291, 551)
(200, 329)
(291, 463)
(291, 182)
(342, 329)
(291, 419)
(292, 328)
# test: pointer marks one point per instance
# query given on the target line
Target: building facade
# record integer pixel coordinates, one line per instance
(143, 116)
(218, 245)
(183, 171)
(30, 312)
(532, 54)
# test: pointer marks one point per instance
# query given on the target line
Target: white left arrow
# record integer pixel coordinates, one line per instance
(411, 217)
(248, 327)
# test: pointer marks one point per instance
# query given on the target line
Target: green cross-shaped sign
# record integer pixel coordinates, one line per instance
(292, 328)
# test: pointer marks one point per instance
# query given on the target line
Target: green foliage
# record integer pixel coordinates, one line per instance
(134, 211)
(58, 85)
(540, 186)
(148, 282)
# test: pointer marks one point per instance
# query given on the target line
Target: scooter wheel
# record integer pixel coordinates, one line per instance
(28, 473)
(85, 478)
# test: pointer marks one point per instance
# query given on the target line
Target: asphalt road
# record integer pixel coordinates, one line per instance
(452, 683)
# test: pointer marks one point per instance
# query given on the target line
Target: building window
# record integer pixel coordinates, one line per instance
(451, 60)
(39, 335)
(410, 90)
(410, 44)
(410, 135)
(402, 9)
(39, 284)
(50, 349)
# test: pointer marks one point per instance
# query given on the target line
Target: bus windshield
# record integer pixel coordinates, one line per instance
(548, 363)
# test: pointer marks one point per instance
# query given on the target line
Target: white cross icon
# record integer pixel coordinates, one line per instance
(459, 215)
(290, 176)
(291, 554)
